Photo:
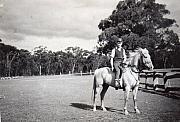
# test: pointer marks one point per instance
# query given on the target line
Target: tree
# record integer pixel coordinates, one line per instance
(23, 63)
(8, 54)
(40, 58)
(59, 62)
(139, 23)
(15, 62)
(77, 57)
(96, 60)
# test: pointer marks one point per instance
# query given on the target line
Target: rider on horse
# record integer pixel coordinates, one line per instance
(118, 58)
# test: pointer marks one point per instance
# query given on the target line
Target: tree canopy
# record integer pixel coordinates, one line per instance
(140, 23)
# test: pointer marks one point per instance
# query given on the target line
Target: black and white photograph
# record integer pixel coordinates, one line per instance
(89, 60)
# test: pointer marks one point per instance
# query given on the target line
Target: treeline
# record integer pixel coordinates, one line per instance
(20, 62)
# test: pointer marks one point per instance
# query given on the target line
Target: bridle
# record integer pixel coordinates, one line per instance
(138, 67)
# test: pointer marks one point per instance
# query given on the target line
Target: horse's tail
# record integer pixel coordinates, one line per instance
(94, 89)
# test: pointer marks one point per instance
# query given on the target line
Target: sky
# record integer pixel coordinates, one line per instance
(58, 24)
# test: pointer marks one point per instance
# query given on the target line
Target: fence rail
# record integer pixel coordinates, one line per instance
(168, 79)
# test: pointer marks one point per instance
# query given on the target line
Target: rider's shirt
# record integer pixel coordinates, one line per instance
(118, 55)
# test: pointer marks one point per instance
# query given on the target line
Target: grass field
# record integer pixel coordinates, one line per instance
(68, 98)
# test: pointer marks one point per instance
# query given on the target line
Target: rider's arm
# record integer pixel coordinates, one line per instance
(112, 58)
(124, 56)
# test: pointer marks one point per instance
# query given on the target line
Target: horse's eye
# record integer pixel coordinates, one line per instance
(145, 56)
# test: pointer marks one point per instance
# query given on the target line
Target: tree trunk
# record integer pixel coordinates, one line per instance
(165, 62)
(9, 62)
(73, 67)
(48, 68)
(40, 70)
(9, 71)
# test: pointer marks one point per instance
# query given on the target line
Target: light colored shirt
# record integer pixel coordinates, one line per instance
(113, 54)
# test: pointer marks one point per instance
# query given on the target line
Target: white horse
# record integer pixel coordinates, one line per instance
(104, 77)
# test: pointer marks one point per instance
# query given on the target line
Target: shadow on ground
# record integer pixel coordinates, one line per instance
(90, 107)
(162, 93)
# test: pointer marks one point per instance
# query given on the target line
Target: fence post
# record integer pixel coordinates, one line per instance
(69, 72)
(146, 80)
(81, 73)
(90, 72)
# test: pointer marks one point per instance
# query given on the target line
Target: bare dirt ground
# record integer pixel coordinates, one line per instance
(68, 98)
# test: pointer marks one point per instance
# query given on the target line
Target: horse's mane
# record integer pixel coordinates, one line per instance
(131, 57)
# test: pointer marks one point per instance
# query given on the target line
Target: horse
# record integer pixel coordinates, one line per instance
(104, 77)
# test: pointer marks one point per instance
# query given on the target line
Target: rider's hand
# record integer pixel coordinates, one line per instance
(124, 64)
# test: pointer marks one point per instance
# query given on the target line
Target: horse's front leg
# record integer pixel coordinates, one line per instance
(135, 90)
(103, 92)
(97, 92)
(126, 98)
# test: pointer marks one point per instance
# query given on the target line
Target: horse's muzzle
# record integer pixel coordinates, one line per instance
(151, 68)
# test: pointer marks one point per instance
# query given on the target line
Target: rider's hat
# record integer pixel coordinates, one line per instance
(116, 39)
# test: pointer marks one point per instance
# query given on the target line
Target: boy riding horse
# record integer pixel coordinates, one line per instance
(118, 58)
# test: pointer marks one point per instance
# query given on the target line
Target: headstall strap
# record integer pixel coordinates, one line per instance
(134, 66)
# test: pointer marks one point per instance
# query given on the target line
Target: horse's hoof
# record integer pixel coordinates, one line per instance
(2, 97)
(104, 109)
(94, 109)
(137, 111)
(126, 112)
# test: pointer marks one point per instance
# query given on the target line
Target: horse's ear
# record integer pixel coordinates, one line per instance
(140, 49)
(146, 50)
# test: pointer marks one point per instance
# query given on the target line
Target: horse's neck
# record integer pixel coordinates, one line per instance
(133, 59)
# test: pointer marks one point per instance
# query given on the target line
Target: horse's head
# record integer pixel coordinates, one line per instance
(146, 58)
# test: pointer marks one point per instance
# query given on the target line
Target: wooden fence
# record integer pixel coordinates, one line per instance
(167, 79)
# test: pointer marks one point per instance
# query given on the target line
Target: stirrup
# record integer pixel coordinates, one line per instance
(117, 83)
(116, 88)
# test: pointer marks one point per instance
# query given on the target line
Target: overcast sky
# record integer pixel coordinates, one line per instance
(59, 24)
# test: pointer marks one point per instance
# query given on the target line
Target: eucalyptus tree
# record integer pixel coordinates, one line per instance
(48, 60)
(76, 57)
(58, 66)
(21, 63)
(8, 54)
(40, 58)
(97, 60)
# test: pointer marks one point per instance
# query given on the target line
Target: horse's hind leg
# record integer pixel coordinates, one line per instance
(97, 92)
(135, 90)
(103, 92)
